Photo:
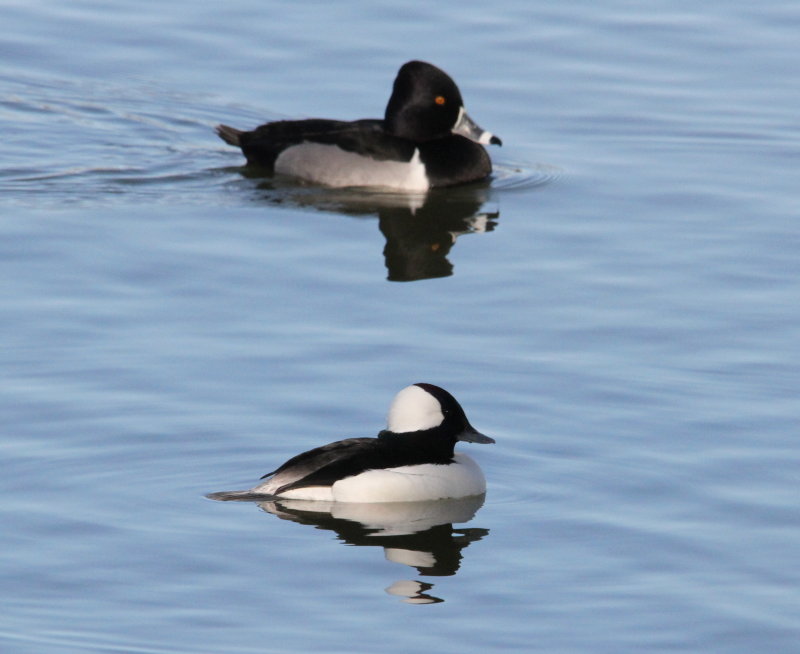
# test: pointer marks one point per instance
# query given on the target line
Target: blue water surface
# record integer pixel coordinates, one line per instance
(618, 307)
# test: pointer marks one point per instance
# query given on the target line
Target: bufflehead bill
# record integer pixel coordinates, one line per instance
(426, 139)
(411, 460)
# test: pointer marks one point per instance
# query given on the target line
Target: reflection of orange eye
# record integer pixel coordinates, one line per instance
(439, 99)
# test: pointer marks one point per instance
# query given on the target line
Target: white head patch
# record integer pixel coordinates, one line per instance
(413, 409)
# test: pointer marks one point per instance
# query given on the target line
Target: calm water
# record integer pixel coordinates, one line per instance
(620, 309)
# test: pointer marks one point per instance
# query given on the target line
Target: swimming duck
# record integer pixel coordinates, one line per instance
(426, 139)
(411, 460)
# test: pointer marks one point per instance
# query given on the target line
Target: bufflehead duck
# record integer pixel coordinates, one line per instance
(426, 139)
(411, 460)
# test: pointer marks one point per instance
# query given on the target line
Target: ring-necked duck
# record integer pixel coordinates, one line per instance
(426, 139)
(411, 460)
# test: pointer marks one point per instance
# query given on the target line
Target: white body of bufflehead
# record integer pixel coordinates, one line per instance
(413, 459)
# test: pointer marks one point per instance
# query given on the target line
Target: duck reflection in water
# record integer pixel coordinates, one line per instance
(417, 534)
(418, 242)
(420, 229)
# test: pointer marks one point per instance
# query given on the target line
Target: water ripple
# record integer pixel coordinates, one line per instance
(513, 176)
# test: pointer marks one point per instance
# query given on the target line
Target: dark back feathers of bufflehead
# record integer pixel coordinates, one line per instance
(325, 465)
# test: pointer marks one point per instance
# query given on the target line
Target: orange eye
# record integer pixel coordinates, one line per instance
(439, 99)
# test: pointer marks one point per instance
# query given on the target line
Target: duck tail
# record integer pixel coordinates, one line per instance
(233, 496)
(229, 134)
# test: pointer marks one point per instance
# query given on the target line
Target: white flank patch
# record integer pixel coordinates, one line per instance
(331, 166)
(429, 481)
(413, 409)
